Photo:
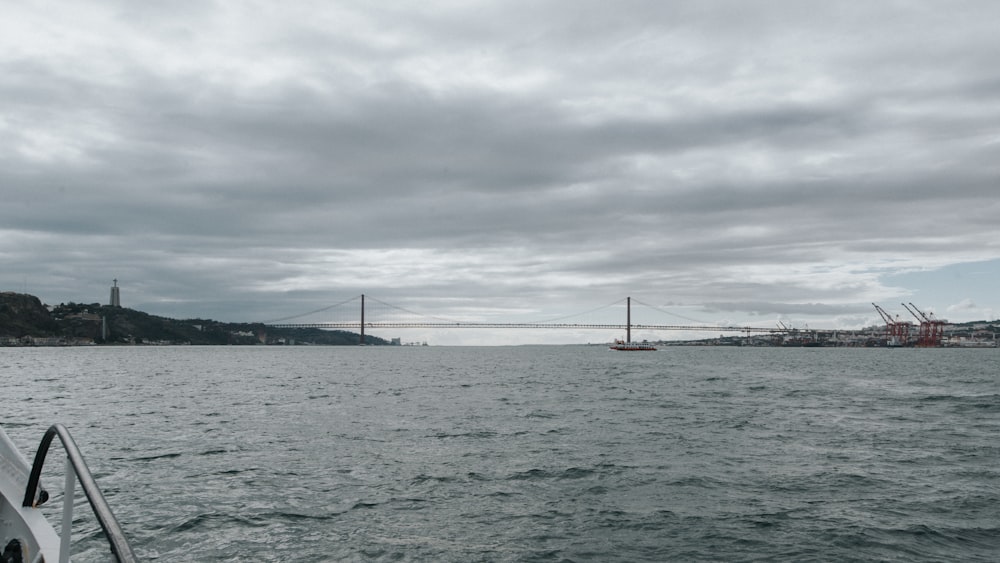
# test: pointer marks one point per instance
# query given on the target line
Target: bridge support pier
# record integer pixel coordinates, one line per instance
(362, 341)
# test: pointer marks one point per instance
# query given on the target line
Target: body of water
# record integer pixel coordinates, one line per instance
(547, 453)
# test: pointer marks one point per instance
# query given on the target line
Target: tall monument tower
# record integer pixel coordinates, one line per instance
(115, 297)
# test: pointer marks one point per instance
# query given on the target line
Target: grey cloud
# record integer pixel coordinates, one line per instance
(765, 309)
(676, 149)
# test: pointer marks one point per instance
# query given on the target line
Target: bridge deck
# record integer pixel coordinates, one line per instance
(391, 324)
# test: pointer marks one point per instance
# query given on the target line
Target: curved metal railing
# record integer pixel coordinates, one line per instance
(112, 530)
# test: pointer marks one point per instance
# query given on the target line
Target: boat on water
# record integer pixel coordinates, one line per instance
(26, 534)
(623, 346)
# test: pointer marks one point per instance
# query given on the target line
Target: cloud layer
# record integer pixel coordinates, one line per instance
(252, 160)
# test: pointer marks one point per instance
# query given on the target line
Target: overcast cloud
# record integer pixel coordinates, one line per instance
(732, 161)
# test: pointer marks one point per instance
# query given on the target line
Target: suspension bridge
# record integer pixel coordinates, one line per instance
(361, 313)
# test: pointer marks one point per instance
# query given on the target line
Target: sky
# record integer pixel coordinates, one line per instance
(728, 161)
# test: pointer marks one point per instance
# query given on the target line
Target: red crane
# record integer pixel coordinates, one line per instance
(931, 329)
(897, 332)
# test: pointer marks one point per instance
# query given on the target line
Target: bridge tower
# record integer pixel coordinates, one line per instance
(628, 320)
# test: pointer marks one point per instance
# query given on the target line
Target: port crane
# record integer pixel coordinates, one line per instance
(931, 329)
(897, 331)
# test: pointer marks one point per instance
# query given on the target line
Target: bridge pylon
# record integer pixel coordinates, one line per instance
(628, 320)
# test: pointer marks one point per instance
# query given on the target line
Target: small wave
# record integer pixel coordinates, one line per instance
(830, 480)
(481, 434)
(935, 398)
(419, 479)
(576, 473)
(979, 403)
(645, 522)
(541, 474)
(699, 482)
(214, 520)
(529, 475)
(171, 455)
(270, 517)
(922, 542)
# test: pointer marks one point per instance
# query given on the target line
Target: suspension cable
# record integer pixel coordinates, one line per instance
(594, 310)
(300, 315)
(655, 308)
(405, 310)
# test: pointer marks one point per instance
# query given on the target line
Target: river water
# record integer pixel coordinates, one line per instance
(547, 453)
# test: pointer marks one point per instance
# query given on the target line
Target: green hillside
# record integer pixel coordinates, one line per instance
(25, 320)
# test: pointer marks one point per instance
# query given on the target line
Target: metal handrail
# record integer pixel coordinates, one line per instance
(112, 530)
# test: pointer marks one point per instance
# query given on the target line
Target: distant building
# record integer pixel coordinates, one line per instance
(116, 300)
